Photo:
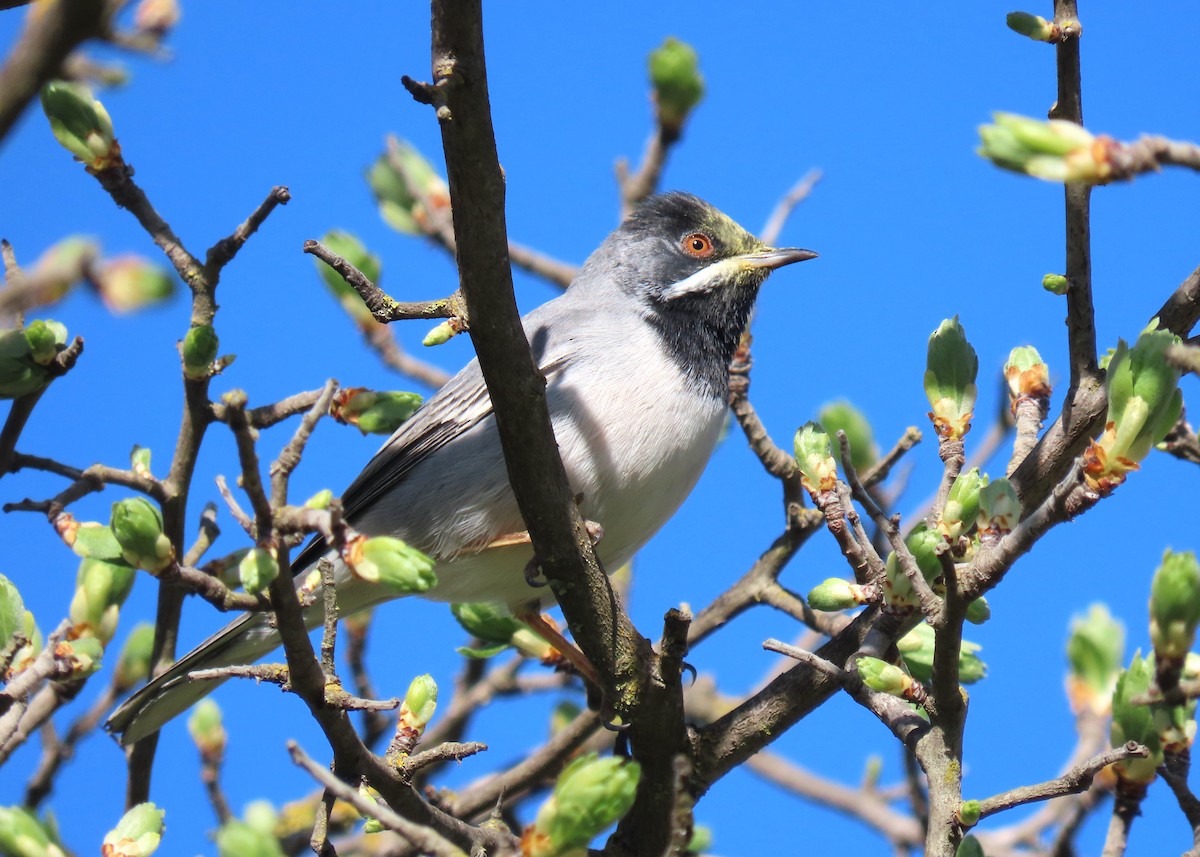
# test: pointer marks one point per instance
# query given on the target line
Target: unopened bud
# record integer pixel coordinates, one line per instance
(678, 84)
(1175, 605)
(814, 457)
(81, 124)
(391, 562)
(199, 351)
(137, 834)
(207, 731)
(22, 835)
(843, 416)
(1135, 722)
(591, 793)
(137, 525)
(45, 337)
(133, 664)
(373, 412)
(129, 283)
(1056, 284)
(951, 367)
(257, 569)
(101, 587)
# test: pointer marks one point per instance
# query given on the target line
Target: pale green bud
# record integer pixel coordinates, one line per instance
(139, 460)
(81, 124)
(489, 622)
(101, 587)
(370, 825)
(420, 702)
(20, 374)
(1135, 722)
(978, 611)
(1026, 373)
(835, 593)
(883, 677)
(1095, 651)
(678, 84)
(90, 539)
(1056, 284)
(702, 840)
(951, 367)
(843, 416)
(261, 815)
(238, 839)
(320, 500)
(814, 457)
(1054, 150)
(391, 562)
(442, 333)
(64, 264)
(45, 337)
(12, 611)
(81, 656)
(393, 178)
(962, 504)
(26, 654)
(1175, 605)
(353, 251)
(137, 525)
(207, 731)
(129, 283)
(133, 664)
(999, 508)
(199, 351)
(22, 835)
(916, 649)
(137, 834)
(924, 545)
(591, 793)
(257, 569)
(373, 412)
(969, 813)
(1033, 26)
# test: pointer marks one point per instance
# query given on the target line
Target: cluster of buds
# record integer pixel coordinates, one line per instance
(101, 587)
(999, 510)
(677, 83)
(925, 545)
(814, 458)
(390, 562)
(1052, 149)
(372, 411)
(843, 416)
(951, 367)
(351, 249)
(882, 677)
(81, 124)
(916, 649)
(22, 834)
(417, 709)
(137, 527)
(137, 834)
(1027, 375)
(404, 183)
(590, 794)
(1144, 402)
(498, 630)
(26, 354)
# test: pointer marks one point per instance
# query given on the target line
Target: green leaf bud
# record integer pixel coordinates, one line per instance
(1132, 722)
(22, 835)
(883, 677)
(137, 834)
(139, 461)
(962, 504)
(257, 569)
(353, 251)
(128, 283)
(238, 839)
(1175, 605)
(489, 622)
(999, 508)
(420, 702)
(969, 813)
(92, 539)
(26, 654)
(320, 500)
(677, 82)
(81, 124)
(951, 367)
(373, 412)
(1026, 373)
(701, 841)
(1054, 150)
(44, 337)
(843, 416)
(64, 264)
(20, 373)
(1056, 284)
(12, 611)
(207, 731)
(979, 611)
(391, 562)
(81, 656)
(916, 650)
(442, 333)
(137, 525)
(836, 593)
(133, 664)
(398, 179)
(199, 351)
(591, 793)
(814, 457)
(1095, 651)
(1032, 26)
(101, 587)
(261, 815)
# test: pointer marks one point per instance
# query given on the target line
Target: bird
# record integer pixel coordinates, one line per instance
(635, 353)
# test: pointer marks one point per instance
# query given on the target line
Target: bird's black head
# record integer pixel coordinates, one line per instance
(695, 273)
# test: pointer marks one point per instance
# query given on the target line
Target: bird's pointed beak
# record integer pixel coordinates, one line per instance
(772, 258)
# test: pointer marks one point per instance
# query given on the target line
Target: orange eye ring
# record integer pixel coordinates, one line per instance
(698, 244)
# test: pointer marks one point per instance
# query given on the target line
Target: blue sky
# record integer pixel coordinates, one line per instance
(911, 226)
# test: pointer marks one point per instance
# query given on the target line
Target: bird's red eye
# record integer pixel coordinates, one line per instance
(699, 245)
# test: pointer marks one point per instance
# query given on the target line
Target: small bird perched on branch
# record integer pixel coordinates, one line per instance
(635, 354)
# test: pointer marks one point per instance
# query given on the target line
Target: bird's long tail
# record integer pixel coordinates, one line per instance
(170, 694)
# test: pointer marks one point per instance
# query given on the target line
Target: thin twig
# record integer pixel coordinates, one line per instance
(784, 208)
